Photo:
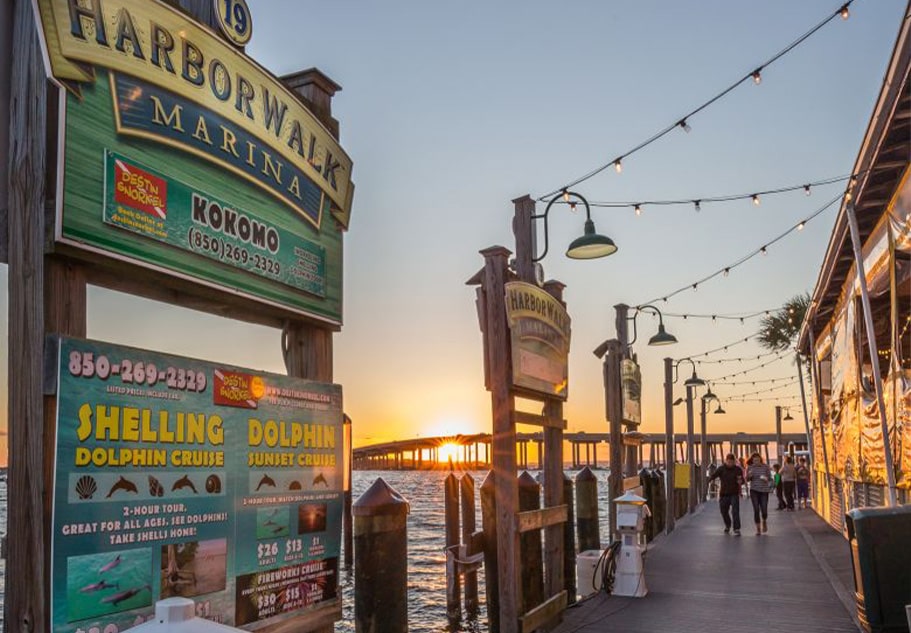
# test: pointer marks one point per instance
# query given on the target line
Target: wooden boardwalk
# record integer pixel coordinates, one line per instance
(701, 581)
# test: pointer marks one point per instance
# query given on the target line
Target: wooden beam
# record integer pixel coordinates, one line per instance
(521, 417)
(27, 568)
(540, 519)
(542, 614)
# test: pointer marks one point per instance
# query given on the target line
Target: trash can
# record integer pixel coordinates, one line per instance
(178, 615)
(882, 566)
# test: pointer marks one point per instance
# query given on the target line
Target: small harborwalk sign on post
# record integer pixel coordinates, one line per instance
(162, 161)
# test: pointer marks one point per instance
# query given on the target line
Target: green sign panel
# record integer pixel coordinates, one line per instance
(179, 477)
(149, 203)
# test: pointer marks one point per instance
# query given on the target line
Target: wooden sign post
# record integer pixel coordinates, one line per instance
(505, 382)
(269, 270)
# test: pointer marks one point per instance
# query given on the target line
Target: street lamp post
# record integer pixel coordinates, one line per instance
(703, 443)
(613, 398)
(671, 377)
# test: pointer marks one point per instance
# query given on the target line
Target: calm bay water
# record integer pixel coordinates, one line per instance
(426, 538)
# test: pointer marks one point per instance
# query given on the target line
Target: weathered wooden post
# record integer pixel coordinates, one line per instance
(453, 583)
(587, 523)
(381, 560)
(569, 543)
(614, 400)
(466, 490)
(532, 562)
(491, 576)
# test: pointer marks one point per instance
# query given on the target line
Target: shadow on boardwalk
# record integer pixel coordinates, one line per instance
(701, 580)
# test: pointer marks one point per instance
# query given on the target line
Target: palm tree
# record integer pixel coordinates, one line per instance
(778, 330)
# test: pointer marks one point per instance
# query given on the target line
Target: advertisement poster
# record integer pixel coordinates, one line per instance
(539, 329)
(631, 387)
(180, 477)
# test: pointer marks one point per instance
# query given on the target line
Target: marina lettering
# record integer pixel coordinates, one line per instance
(178, 56)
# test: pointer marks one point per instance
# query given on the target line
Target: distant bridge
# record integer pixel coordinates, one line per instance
(424, 453)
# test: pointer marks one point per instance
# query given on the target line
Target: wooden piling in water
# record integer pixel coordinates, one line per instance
(466, 488)
(381, 560)
(491, 574)
(453, 582)
(569, 542)
(587, 525)
(530, 552)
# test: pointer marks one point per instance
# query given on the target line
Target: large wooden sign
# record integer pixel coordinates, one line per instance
(179, 477)
(181, 154)
(539, 329)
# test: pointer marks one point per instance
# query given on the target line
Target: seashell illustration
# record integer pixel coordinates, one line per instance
(295, 485)
(155, 487)
(86, 487)
(213, 484)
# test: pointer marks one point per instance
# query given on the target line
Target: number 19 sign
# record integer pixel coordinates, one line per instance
(234, 20)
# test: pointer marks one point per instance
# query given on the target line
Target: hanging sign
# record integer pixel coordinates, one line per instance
(179, 477)
(164, 94)
(539, 333)
(631, 388)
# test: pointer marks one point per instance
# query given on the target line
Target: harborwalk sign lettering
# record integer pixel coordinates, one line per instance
(215, 101)
(539, 332)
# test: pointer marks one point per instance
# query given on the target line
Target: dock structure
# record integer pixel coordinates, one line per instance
(701, 579)
(424, 453)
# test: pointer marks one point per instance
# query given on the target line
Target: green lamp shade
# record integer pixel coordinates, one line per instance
(694, 381)
(591, 245)
(662, 337)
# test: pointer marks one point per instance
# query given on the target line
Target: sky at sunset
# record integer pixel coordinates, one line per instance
(451, 110)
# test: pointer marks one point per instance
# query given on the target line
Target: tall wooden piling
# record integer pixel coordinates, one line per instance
(453, 582)
(381, 561)
(587, 524)
(491, 575)
(532, 558)
(466, 495)
(569, 543)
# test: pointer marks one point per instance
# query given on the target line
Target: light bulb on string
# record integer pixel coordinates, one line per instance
(697, 205)
(618, 166)
(565, 195)
(572, 207)
(638, 210)
(727, 271)
(755, 198)
(757, 76)
(806, 189)
(684, 126)
(764, 250)
(801, 225)
(844, 12)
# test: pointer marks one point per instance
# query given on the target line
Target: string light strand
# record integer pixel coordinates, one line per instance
(762, 250)
(683, 121)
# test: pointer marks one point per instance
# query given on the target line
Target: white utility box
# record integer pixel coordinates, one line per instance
(587, 581)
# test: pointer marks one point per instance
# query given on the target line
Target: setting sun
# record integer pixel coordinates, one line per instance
(449, 451)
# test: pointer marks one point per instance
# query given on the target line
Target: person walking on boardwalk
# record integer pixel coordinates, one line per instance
(788, 481)
(759, 476)
(803, 483)
(776, 484)
(730, 477)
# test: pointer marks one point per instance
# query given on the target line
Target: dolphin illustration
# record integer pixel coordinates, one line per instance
(320, 479)
(110, 565)
(265, 481)
(279, 529)
(98, 586)
(122, 484)
(117, 598)
(184, 482)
